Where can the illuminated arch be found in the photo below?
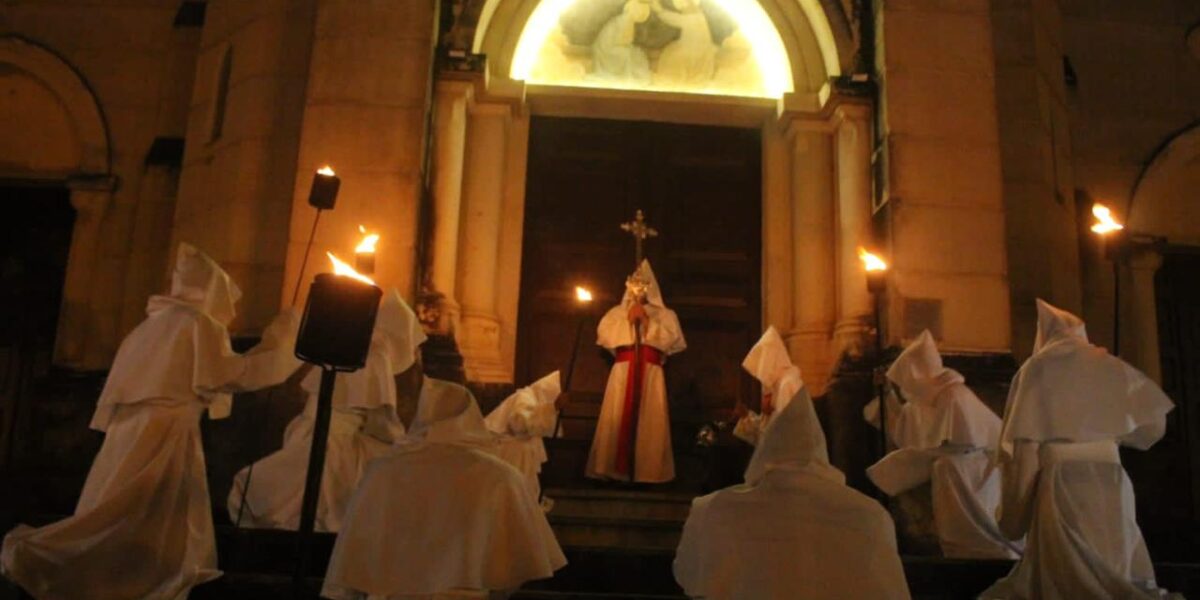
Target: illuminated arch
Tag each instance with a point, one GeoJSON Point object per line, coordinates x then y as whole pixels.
{"type": "Point", "coordinates": [751, 60]}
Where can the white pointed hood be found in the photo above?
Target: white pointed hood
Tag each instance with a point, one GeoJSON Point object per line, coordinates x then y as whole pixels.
{"type": "Point", "coordinates": [769, 362]}
{"type": "Point", "coordinates": [919, 371]}
{"type": "Point", "coordinates": [654, 295]}
{"type": "Point", "coordinates": [397, 331]}
{"type": "Point", "coordinates": [515, 412]}
{"type": "Point", "coordinates": [794, 439]}
{"type": "Point", "coordinates": [1073, 391]}
{"type": "Point", "coordinates": [199, 282]}
{"type": "Point", "coordinates": [448, 415]}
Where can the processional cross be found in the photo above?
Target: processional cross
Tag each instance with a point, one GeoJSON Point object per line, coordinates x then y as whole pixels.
{"type": "Point", "coordinates": [638, 284]}
{"type": "Point", "coordinates": [640, 232]}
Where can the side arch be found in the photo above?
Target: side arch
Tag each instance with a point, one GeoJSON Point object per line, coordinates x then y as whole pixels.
{"type": "Point", "coordinates": [53, 71]}
{"type": "Point", "coordinates": [1164, 200]}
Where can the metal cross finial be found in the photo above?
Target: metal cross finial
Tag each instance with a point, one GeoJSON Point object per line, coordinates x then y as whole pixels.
{"type": "Point", "coordinates": [640, 231]}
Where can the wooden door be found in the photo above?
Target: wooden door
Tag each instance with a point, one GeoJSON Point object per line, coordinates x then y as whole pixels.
{"type": "Point", "coordinates": [701, 188]}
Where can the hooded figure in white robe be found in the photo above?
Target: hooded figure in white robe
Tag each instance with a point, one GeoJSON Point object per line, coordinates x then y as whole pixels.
{"type": "Point", "coordinates": [441, 514]}
{"type": "Point", "coordinates": [793, 531]}
{"type": "Point", "coordinates": [613, 447]}
{"type": "Point", "coordinates": [363, 424]}
{"type": "Point", "coordinates": [143, 526]}
{"type": "Point", "coordinates": [944, 433]}
{"type": "Point", "coordinates": [768, 361]}
{"type": "Point", "coordinates": [1069, 407]}
{"type": "Point", "coordinates": [521, 421]}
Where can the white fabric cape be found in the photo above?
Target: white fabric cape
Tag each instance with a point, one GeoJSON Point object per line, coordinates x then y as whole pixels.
{"type": "Point", "coordinates": [441, 512]}
{"type": "Point", "coordinates": [521, 421]}
{"type": "Point", "coordinates": [794, 531]}
{"type": "Point", "coordinates": [769, 362]}
{"type": "Point", "coordinates": [363, 425]}
{"type": "Point", "coordinates": [1071, 390]}
{"type": "Point", "coordinates": [143, 525]}
{"type": "Point", "coordinates": [653, 453]}
{"type": "Point", "coordinates": [943, 432]}
{"type": "Point", "coordinates": [1069, 406]}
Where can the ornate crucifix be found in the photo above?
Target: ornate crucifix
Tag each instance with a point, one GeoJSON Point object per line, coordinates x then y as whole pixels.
{"type": "Point", "coordinates": [640, 231]}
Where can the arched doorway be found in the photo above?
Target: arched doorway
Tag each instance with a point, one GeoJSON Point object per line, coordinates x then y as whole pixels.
{"type": "Point", "coordinates": [54, 185]}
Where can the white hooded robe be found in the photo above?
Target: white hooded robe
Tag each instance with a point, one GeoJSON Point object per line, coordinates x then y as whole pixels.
{"type": "Point", "coordinates": [793, 531]}
{"type": "Point", "coordinates": [363, 425]}
{"type": "Point", "coordinates": [440, 513]}
{"type": "Point", "coordinates": [655, 462]}
{"type": "Point", "coordinates": [1069, 407]}
{"type": "Point", "coordinates": [521, 421]}
{"type": "Point", "coordinates": [943, 433]}
{"type": "Point", "coordinates": [768, 361]}
{"type": "Point", "coordinates": [143, 526]}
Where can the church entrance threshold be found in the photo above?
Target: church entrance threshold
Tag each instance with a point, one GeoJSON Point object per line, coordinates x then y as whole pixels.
{"type": "Point", "coordinates": [700, 186]}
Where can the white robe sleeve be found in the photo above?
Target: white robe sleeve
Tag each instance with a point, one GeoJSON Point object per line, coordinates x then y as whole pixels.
{"type": "Point", "coordinates": [748, 428]}
{"type": "Point", "coordinates": [219, 371]}
{"type": "Point", "coordinates": [688, 565]}
{"type": "Point", "coordinates": [1019, 475]}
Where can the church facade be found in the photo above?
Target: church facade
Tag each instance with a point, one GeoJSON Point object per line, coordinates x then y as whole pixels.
{"type": "Point", "coordinates": [965, 142]}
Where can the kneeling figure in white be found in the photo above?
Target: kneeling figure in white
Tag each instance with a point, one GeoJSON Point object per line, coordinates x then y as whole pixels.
{"type": "Point", "coordinates": [363, 425]}
{"type": "Point", "coordinates": [442, 514]}
{"type": "Point", "coordinates": [521, 421]}
{"type": "Point", "coordinates": [793, 531]}
{"type": "Point", "coordinates": [1069, 407]}
{"type": "Point", "coordinates": [944, 432]}
{"type": "Point", "coordinates": [769, 363]}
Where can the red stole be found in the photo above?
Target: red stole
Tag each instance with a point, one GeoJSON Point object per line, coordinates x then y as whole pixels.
{"type": "Point", "coordinates": [634, 383]}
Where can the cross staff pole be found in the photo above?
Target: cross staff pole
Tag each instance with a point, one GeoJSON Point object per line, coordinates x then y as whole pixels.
{"type": "Point", "coordinates": [640, 231]}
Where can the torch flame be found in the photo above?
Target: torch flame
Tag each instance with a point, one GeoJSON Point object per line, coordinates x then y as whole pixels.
{"type": "Point", "coordinates": [583, 294]}
{"type": "Point", "coordinates": [326, 171]}
{"type": "Point", "coordinates": [367, 245]}
{"type": "Point", "coordinates": [870, 261]}
{"type": "Point", "coordinates": [1105, 223]}
{"type": "Point", "coordinates": [345, 270]}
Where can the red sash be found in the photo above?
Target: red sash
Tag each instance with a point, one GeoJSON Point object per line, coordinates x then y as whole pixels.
{"type": "Point", "coordinates": [633, 398]}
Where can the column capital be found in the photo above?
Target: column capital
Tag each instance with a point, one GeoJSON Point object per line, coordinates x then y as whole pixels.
{"type": "Point", "coordinates": [851, 110]}
{"type": "Point", "coordinates": [455, 88]}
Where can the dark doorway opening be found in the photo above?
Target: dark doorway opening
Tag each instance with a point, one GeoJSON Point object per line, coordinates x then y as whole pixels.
{"type": "Point", "coordinates": [700, 186]}
{"type": "Point", "coordinates": [1166, 478]}
{"type": "Point", "coordinates": [35, 239]}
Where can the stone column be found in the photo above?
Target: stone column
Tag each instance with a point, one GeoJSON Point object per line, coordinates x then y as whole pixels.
{"type": "Point", "coordinates": [1139, 321]}
{"type": "Point", "coordinates": [450, 123]}
{"type": "Point", "coordinates": [853, 141]}
{"type": "Point", "coordinates": [82, 335]}
{"type": "Point", "coordinates": [814, 298]}
{"type": "Point", "coordinates": [483, 197]}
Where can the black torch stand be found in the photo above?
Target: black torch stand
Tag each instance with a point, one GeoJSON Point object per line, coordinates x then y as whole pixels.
{"type": "Point", "coordinates": [312, 481]}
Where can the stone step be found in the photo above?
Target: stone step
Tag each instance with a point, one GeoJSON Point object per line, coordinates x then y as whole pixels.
{"type": "Point", "coordinates": [616, 504]}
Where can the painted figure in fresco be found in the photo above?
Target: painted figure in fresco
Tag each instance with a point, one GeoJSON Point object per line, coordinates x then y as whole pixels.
{"type": "Point", "coordinates": [615, 56]}
{"type": "Point", "coordinates": [691, 59]}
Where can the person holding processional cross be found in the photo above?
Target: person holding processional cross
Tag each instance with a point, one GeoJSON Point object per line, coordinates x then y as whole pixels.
{"type": "Point", "coordinates": [633, 433]}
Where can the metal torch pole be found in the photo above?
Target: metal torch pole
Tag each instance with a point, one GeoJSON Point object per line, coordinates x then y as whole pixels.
{"type": "Point", "coordinates": [880, 389]}
{"type": "Point", "coordinates": [566, 388]}
{"type": "Point", "coordinates": [312, 482]}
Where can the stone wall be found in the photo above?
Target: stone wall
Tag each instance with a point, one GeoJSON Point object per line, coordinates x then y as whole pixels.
{"type": "Point", "coordinates": [945, 218]}
{"type": "Point", "coordinates": [243, 135]}
{"type": "Point", "coordinates": [135, 64]}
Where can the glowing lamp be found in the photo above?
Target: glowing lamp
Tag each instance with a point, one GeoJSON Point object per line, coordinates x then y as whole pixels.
{"type": "Point", "coordinates": [323, 194]}
{"type": "Point", "coordinates": [583, 295]}
{"type": "Point", "coordinates": [335, 332]}
{"type": "Point", "coordinates": [364, 253]}
{"type": "Point", "coordinates": [1105, 223]}
{"type": "Point", "coordinates": [876, 269]}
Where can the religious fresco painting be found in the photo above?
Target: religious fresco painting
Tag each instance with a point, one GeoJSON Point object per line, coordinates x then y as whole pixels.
{"type": "Point", "coordinates": [723, 47]}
